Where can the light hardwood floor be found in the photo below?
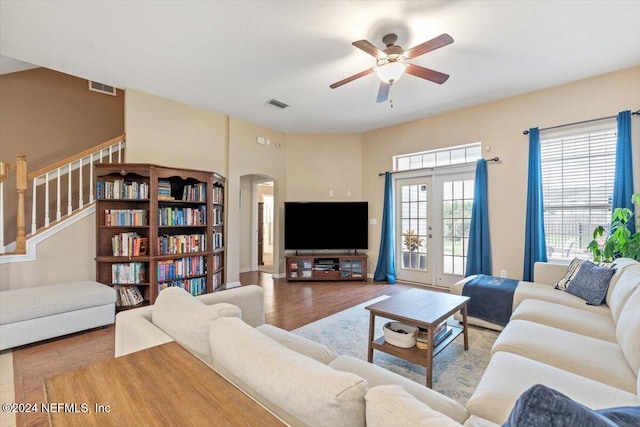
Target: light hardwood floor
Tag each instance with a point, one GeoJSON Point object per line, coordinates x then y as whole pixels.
{"type": "Point", "coordinates": [287, 305]}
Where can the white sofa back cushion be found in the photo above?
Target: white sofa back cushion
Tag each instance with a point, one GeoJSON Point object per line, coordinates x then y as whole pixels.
{"type": "Point", "coordinates": [628, 330]}
{"type": "Point", "coordinates": [297, 388]}
{"type": "Point", "coordinates": [621, 290]}
{"type": "Point", "coordinates": [391, 405]}
{"type": "Point", "coordinates": [187, 319]}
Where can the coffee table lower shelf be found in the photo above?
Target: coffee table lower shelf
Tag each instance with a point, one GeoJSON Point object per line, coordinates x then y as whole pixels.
{"type": "Point", "coordinates": [414, 354]}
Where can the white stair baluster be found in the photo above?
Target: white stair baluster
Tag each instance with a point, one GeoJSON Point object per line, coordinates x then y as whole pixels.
{"type": "Point", "coordinates": [46, 200]}
{"type": "Point", "coordinates": [91, 183]}
{"type": "Point", "coordinates": [80, 195]}
{"type": "Point", "coordinates": [58, 197]}
{"type": "Point", "coordinates": [70, 195]}
{"type": "Point", "coordinates": [34, 188]}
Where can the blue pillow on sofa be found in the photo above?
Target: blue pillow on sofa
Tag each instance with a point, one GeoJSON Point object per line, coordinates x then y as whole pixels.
{"type": "Point", "coordinates": [541, 406]}
{"type": "Point", "coordinates": [591, 283]}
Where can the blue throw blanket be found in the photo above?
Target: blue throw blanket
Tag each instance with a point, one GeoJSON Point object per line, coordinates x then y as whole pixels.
{"type": "Point", "coordinates": [491, 298]}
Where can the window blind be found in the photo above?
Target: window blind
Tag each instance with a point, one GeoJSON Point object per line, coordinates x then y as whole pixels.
{"type": "Point", "coordinates": [577, 180]}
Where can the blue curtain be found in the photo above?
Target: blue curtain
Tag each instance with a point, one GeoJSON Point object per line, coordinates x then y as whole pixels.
{"type": "Point", "coordinates": [534, 240]}
{"type": "Point", "coordinates": [479, 251]}
{"type": "Point", "coordinates": [386, 268]}
{"type": "Point", "coordinates": [623, 179]}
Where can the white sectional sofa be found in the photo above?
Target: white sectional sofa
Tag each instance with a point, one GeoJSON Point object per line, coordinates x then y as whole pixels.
{"type": "Point", "coordinates": [595, 363]}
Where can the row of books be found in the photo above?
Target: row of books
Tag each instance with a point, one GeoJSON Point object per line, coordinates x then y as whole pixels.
{"type": "Point", "coordinates": [182, 244]}
{"type": "Point", "coordinates": [179, 268]}
{"type": "Point", "coordinates": [218, 217]}
{"type": "Point", "coordinates": [218, 195]}
{"type": "Point", "coordinates": [217, 280]}
{"type": "Point", "coordinates": [170, 216]}
{"type": "Point", "coordinates": [439, 334]}
{"type": "Point", "coordinates": [196, 286]}
{"type": "Point", "coordinates": [129, 244]}
{"type": "Point", "coordinates": [122, 189]}
{"type": "Point", "coordinates": [128, 296]}
{"type": "Point", "coordinates": [217, 262]}
{"type": "Point", "coordinates": [129, 273]}
{"type": "Point", "coordinates": [164, 190]}
{"type": "Point", "coordinates": [126, 217]}
{"type": "Point", "coordinates": [195, 192]}
{"type": "Point", "coordinates": [217, 241]}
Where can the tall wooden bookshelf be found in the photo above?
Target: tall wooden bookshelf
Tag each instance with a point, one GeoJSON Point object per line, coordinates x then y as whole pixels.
{"type": "Point", "coordinates": [157, 227]}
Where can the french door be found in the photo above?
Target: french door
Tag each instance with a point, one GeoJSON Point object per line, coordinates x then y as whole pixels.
{"type": "Point", "coordinates": [433, 216]}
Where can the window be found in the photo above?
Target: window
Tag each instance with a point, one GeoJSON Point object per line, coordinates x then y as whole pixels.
{"type": "Point", "coordinates": [577, 181]}
{"type": "Point", "coordinates": [443, 157]}
{"type": "Point", "coordinates": [457, 205]}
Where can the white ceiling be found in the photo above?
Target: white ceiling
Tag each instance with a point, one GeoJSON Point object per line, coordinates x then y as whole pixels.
{"type": "Point", "coordinates": [231, 57]}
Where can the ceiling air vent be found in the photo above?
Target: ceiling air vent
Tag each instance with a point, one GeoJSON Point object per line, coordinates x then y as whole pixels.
{"type": "Point", "coordinates": [102, 88]}
{"type": "Point", "coordinates": [277, 104]}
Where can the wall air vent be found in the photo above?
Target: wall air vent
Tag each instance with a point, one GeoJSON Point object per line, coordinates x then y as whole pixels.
{"type": "Point", "coordinates": [277, 104]}
{"type": "Point", "coordinates": [102, 88]}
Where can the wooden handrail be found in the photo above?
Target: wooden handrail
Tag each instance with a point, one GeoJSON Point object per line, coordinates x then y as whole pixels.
{"type": "Point", "coordinates": [76, 157]}
{"type": "Point", "coordinates": [4, 170]}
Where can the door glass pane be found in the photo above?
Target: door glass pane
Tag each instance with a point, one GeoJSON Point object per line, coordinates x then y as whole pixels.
{"type": "Point", "coordinates": [414, 226]}
{"type": "Point", "coordinates": [457, 203]}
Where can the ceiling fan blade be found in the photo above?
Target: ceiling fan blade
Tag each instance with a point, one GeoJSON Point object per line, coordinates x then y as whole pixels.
{"type": "Point", "coordinates": [428, 46]}
{"type": "Point", "coordinates": [369, 48]}
{"type": "Point", "coordinates": [351, 78]}
{"type": "Point", "coordinates": [427, 74]}
{"type": "Point", "coordinates": [383, 92]}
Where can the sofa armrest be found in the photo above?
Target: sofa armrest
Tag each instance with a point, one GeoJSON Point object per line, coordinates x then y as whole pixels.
{"type": "Point", "coordinates": [250, 300]}
{"type": "Point", "coordinates": [135, 332]}
{"type": "Point", "coordinates": [548, 273]}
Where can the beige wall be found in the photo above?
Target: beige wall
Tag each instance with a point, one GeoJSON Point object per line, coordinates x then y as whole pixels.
{"type": "Point", "coordinates": [318, 164]}
{"type": "Point", "coordinates": [170, 133]}
{"type": "Point", "coordinates": [66, 256]}
{"type": "Point", "coordinates": [500, 125]}
{"type": "Point", "coordinates": [49, 116]}
{"type": "Point", "coordinates": [248, 162]}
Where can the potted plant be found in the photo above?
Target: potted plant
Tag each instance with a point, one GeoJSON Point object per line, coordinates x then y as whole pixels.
{"type": "Point", "coordinates": [412, 242]}
{"type": "Point", "coordinates": [620, 242]}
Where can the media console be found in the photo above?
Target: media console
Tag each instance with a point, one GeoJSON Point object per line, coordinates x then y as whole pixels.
{"type": "Point", "coordinates": [326, 267]}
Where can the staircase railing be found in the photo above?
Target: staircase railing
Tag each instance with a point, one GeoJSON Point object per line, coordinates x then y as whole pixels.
{"type": "Point", "coordinates": [47, 190]}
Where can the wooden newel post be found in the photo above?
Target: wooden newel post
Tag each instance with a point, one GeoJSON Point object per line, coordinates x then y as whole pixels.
{"type": "Point", "coordinates": [21, 189]}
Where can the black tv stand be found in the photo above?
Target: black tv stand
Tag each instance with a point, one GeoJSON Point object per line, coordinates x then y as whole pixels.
{"type": "Point", "coordinates": [326, 267]}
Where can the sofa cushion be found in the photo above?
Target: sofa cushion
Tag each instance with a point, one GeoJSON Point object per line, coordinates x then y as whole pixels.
{"type": "Point", "coordinates": [628, 331]}
{"type": "Point", "coordinates": [627, 282]}
{"type": "Point", "coordinates": [187, 319]}
{"type": "Point", "coordinates": [529, 290]}
{"type": "Point", "coordinates": [508, 376]}
{"type": "Point", "coordinates": [17, 305]}
{"type": "Point", "coordinates": [389, 405]}
{"type": "Point", "coordinates": [596, 325]}
{"type": "Point", "coordinates": [541, 406]}
{"type": "Point", "coordinates": [589, 357]}
{"type": "Point", "coordinates": [297, 388]}
{"type": "Point", "coordinates": [299, 344]}
{"type": "Point", "coordinates": [376, 376]}
{"type": "Point", "coordinates": [591, 283]}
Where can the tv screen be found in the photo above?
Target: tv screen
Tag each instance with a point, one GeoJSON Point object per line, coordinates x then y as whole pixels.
{"type": "Point", "coordinates": [326, 225]}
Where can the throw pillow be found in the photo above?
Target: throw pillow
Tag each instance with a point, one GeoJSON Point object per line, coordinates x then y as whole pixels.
{"type": "Point", "coordinates": [575, 265]}
{"type": "Point", "coordinates": [541, 406]}
{"type": "Point", "coordinates": [591, 283]}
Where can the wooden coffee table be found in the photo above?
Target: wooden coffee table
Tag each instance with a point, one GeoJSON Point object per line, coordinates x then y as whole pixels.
{"type": "Point", "coordinates": [424, 309]}
{"type": "Point", "coordinates": [161, 386]}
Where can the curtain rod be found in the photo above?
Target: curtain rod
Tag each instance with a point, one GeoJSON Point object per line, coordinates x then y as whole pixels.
{"type": "Point", "coordinates": [526, 132]}
{"type": "Point", "coordinates": [495, 159]}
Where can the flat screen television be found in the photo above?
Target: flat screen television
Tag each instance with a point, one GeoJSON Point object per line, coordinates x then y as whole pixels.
{"type": "Point", "coordinates": [326, 225]}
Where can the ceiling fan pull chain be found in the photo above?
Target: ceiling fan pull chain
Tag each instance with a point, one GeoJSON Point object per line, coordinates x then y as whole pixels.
{"type": "Point", "coordinates": [391, 96]}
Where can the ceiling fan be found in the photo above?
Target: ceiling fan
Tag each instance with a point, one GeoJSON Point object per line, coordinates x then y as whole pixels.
{"type": "Point", "coordinates": [391, 63]}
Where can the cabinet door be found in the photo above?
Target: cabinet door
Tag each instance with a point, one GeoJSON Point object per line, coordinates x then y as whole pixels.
{"type": "Point", "coordinates": [300, 268]}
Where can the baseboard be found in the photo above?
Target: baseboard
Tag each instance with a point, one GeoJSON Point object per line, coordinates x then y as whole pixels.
{"type": "Point", "coordinates": [233, 285]}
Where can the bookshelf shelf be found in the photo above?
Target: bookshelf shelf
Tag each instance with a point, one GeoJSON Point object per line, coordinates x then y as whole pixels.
{"type": "Point", "coordinates": [154, 223]}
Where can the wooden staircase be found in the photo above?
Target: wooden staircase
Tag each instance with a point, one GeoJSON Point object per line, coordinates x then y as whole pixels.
{"type": "Point", "coordinates": [43, 193]}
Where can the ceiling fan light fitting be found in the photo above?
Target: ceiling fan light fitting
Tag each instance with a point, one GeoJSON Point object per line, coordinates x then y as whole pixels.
{"type": "Point", "coordinates": [391, 71]}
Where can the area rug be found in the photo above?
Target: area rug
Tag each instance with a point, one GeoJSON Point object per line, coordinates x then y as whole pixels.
{"type": "Point", "coordinates": [456, 372]}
